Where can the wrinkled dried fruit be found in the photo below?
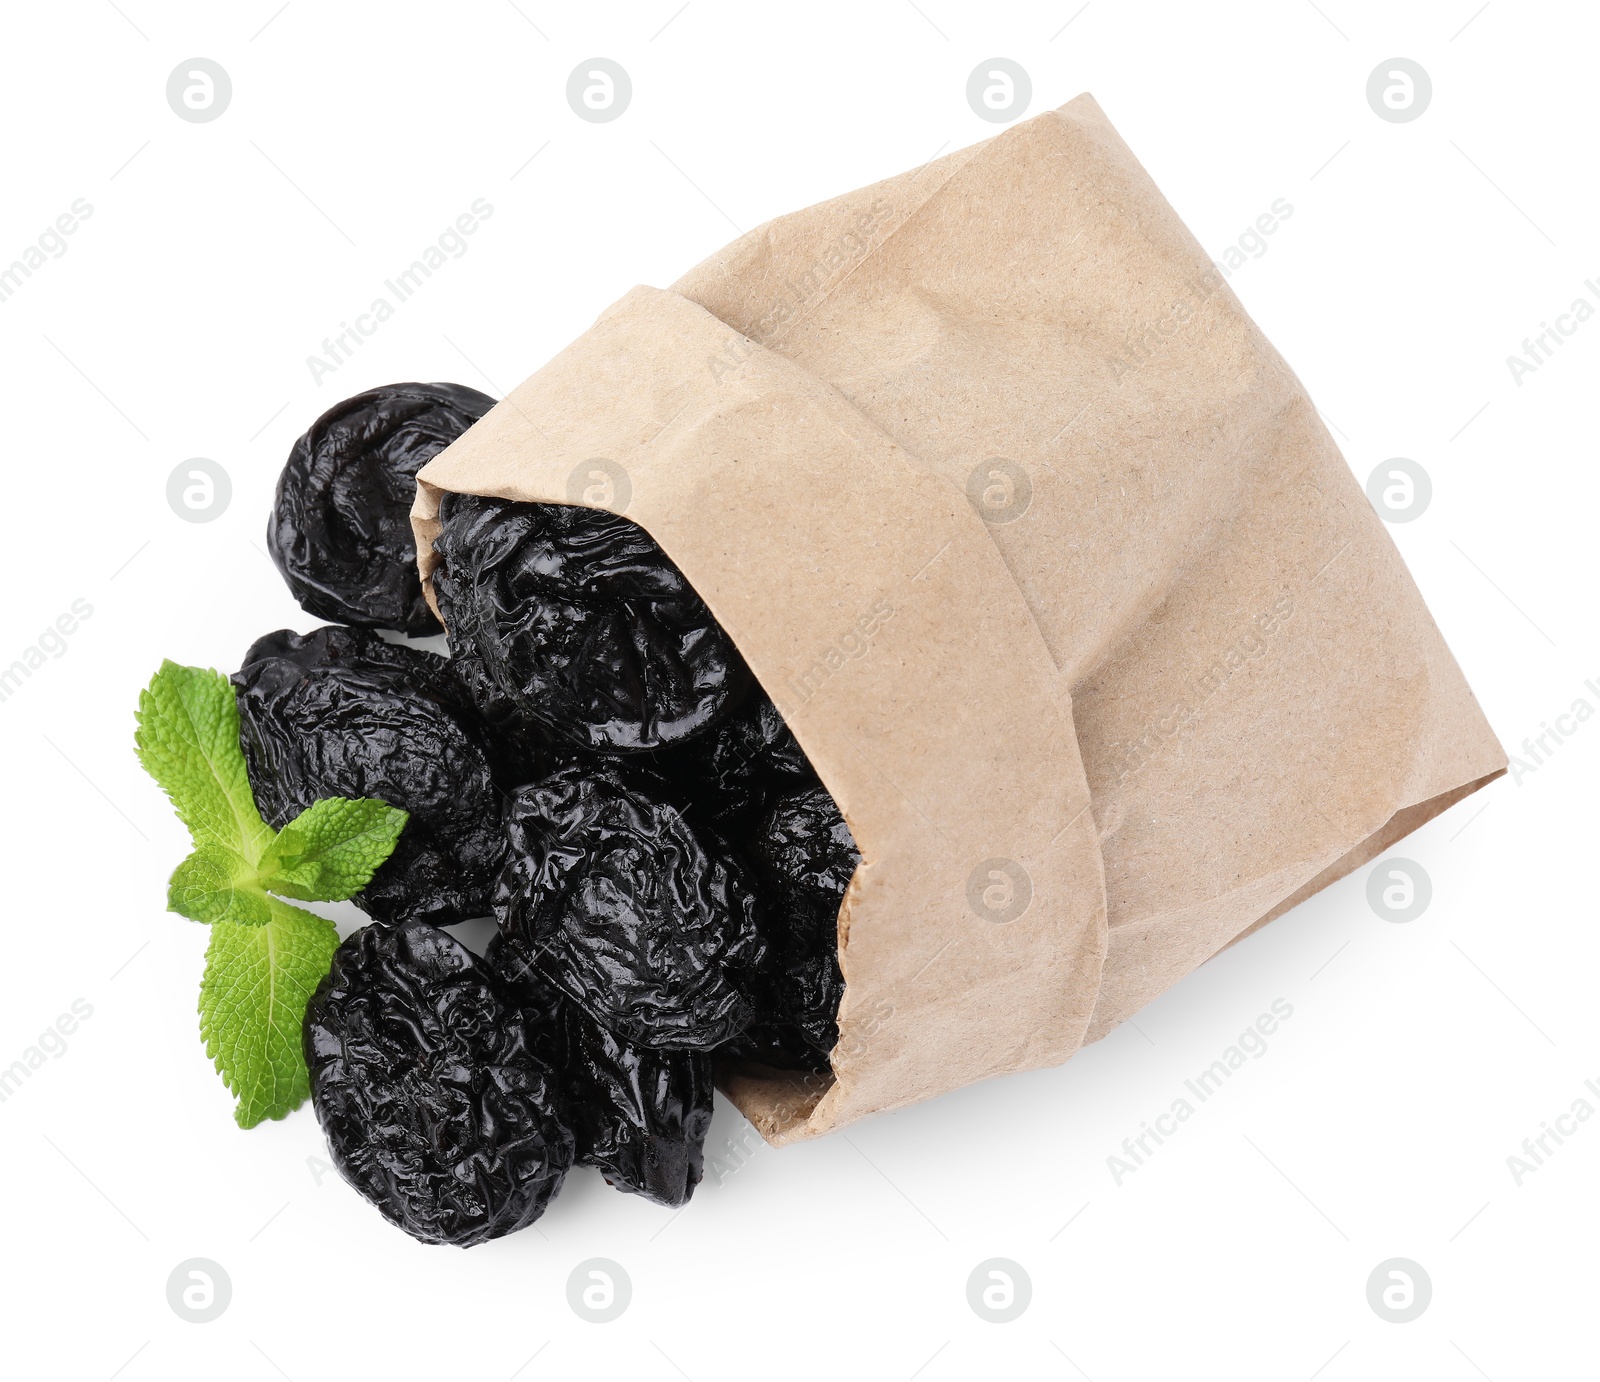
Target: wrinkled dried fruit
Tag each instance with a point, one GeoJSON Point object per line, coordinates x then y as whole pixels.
{"type": "Point", "coordinates": [611, 894]}
{"type": "Point", "coordinates": [341, 713]}
{"type": "Point", "coordinates": [803, 855]}
{"type": "Point", "coordinates": [340, 530]}
{"type": "Point", "coordinates": [433, 1105]}
{"type": "Point", "coordinates": [639, 1115]}
{"type": "Point", "coordinates": [584, 623]}
{"type": "Point", "coordinates": [519, 749]}
{"type": "Point", "coordinates": [728, 776]}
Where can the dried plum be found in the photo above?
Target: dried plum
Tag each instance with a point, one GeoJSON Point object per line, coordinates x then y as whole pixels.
{"type": "Point", "coordinates": [543, 1005]}
{"type": "Point", "coordinates": [638, 1115]}
{"type": "Point", "coordinates": [584, 623]}
{"type": "Point", "coordinates": [433, 1105]}
{"type": "Point", "coordinates": [613, 896]}
{"type": "Point", "coordinates": [340, 530]}
{"type": "Point", "coordinates": [340, 712]}
{"type": "Point", "coordinates": [729, 775]}
{"type": "Point", "coordinates": [520, 750]}
{"type": "Point", "coordinates": [804, 856]}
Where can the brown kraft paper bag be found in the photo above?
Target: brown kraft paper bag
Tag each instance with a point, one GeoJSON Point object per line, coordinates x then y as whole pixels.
{"type": "Point", "coordinates": [1047, 560]}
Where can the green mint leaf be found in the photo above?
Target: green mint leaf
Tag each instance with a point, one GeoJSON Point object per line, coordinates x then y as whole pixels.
{"type": "Point", "coordinates": [331, 849]}
{"type": "Point", "coordinates": [253, 999]}
{"type": "Point", "coordinates": [215, 884]}
{"type": "Point", "coordinates": [188, 740]}
{"type": "Point", "coordinates": [266, 958]}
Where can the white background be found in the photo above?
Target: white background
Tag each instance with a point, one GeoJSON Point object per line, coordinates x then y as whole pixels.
{"type": "Point", "coordinates": [1419, 1055]}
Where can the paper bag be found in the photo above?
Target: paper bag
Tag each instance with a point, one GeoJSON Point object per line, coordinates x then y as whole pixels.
{"type": "Point", "coordinates": [1048, 562]}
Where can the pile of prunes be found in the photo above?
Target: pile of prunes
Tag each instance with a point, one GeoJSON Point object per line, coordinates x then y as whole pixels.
{"type": "Point", "coordinates": [594, 766]}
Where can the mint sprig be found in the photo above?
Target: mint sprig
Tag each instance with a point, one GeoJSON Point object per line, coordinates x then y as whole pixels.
{"type": "Point", "coordinates": [266, 957]}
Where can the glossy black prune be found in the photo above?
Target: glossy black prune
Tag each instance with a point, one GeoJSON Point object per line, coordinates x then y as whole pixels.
{"type": "Point", "coordinates": [341, 713]}
{"type": "Point", "coordinates": [729, 775]}
{"type": "Point", "coordinates": [520, 750]}
{"type": "Point", "coordinates": [613, 896]}
{"type": "Point", "coordinates": [433, 1105]}
{"type": "Point", "coordinates": [584, 623]}
{"type": "Point", "coordinates": [640, 1116]}
{"type": "Point", "coordinates": [340, 530]}
{"type": "Point", "coordinates": [804, 856]}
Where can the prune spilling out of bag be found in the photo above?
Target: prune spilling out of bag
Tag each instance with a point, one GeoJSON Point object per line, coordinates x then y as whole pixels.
{"type": "Point", "coordinates": [639, 1115]}
{"type": "Point", "coordinates": [341, 713]}
{"type": "Point", "coordinates": [340, 530]}
{"type": "Point", "coordinates": [612, 895]}
{"type": "Point", "coordinates": [584, 623]}
{"type": "Point", "coordinates": [804, 856]}
{"type": "Point", "coordinates": [730, 774]}
{"type": "Point", "coordinates": [434, 1107]}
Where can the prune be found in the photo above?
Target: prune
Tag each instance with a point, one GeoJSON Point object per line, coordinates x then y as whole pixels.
{"type": "Point", "coordinates": [520, 751]}
{"type": "Point", "coordinates": [340, 530]}
{"type": "Point", "coordinates": [804, 856]}
{"type": "Point", "coordinates": [729, 775]}
{"type": "Point", "coordinates": [433, 1105]}
{"type": "Point", "coordinates": [584, 623]}
{"type": "Point", "coordinates": [613, 897]}
{"type": "Point", "coordinates": [542, 1004]}
{"type": "Point", "coordinates": [341, 713]}
{"type": "Point", "coordinates": [639, 1115]}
